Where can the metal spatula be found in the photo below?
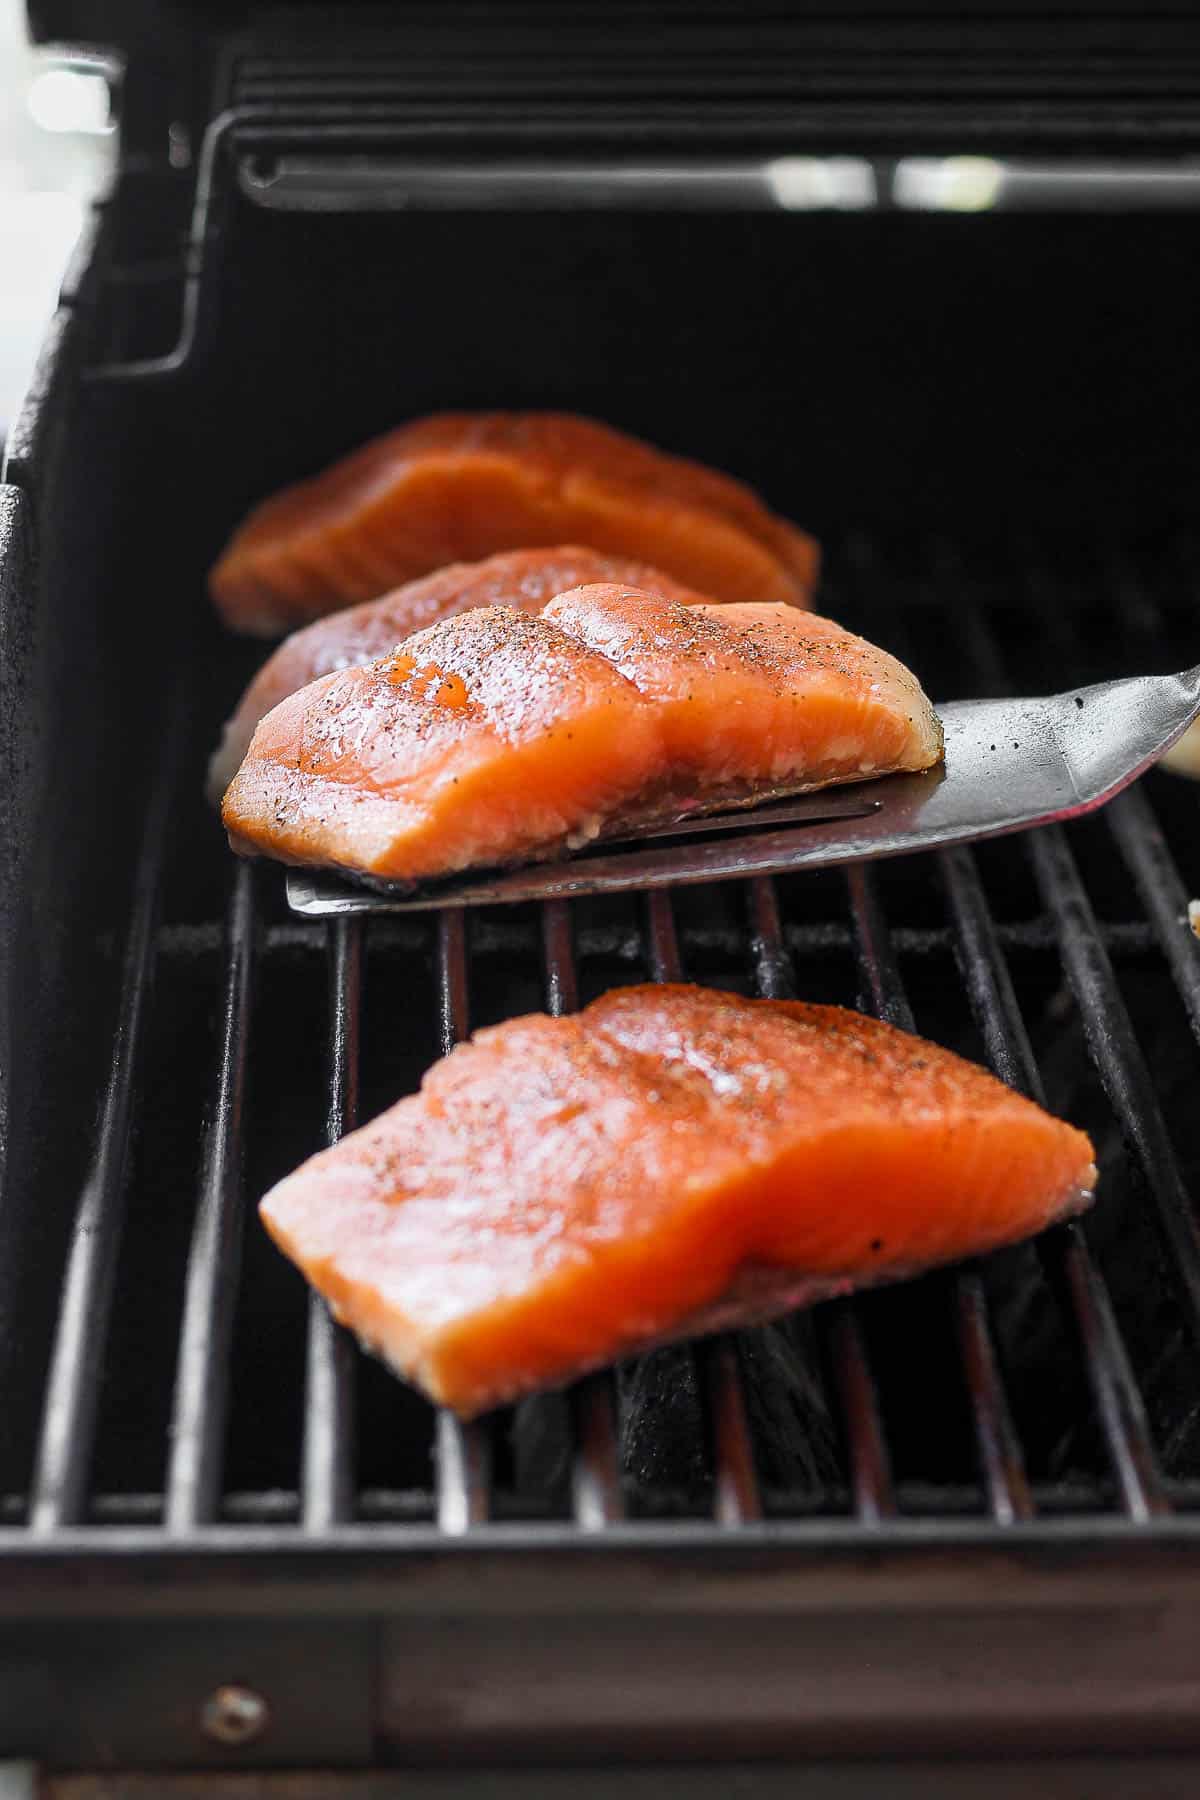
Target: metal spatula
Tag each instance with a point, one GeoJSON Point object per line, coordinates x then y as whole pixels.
{"type": "Point", "coordinates": [1009, 764]}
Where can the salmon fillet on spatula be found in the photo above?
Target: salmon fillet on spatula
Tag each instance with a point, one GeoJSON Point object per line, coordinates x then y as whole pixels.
{"type": "Point", "coordinates": [565, 1191]}
{"type": "Point", "coordinates": [495, 738]}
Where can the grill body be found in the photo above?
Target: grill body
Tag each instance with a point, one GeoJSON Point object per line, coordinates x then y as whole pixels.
{"type": "Point", "coordinates": [956, 1519]}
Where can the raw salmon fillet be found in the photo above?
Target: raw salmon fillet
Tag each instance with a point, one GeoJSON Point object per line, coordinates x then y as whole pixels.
{"type": "Point", "coordinates": [526, 579]}
{"type": "Point", "coordinates": [496, 737]}
{"type": "Point", "coordinates": [565, 1191]}
{"type": "Point", "coordinates": [458, 486]}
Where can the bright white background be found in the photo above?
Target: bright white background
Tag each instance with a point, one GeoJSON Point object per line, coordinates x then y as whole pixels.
{"type": "Point", "coordinates": [55, 150]}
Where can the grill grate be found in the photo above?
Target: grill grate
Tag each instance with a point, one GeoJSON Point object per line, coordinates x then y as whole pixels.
{"type": "Point", "coordinates": [1069, 1265]}
{"type": "Point", "coordinates": [202, 1384]}
{"type": "Point", "coordinates": [1064, 1250]}
{"type": "Point", "coordinates": [73, 1388]}
{"type": "Point", "coordinates": [798, 1422]}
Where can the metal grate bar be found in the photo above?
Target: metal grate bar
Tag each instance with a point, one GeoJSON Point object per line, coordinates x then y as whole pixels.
{"type": "Point", "coordinates": [202, 1377]}
{"type": "Point", "coordinates": [1161, 891]}
{"type": "Point", "coordinates": [666, 963]}
{"type": "Point", "coordinates": [735, 1492]}
{"type": "Point", "coordinates": [558, 952]}
{"type": "Point", "coordinates": [1064, 1250]}
{"type": "Point", "coordinates": [1118, 1400]}
{"type": "Point", "coordinates": [773, 970]}
{"type": "Point", "coordinates": [73, 1385]}
{"type": "Point", "coordinates": [453, 996]}
{"type": "Point", "coordinates": [996, 1439]}
{"type": "Point", "coordinates": [1115, 1052]}
{"type": "Point", "coordinates": [884, 995]}
{"type": "Point", "coordinates": [736, 1498]}
{"type": "Point", "coordinates": [870, 1465]}
{"type": "Point", "coordinates": [327, 1478]}
{"type": "Point", "coordinates": [1005, 1481]}
{"type": "Point", "coordinates": [463, 1451]}
{"type": "Point", "coordinates": [1131, 819]}
{"type": "Point", "coordinates": [404, 1506]}
{"type": "Point", "coordinates": [596, 1497]}
{"type": "Point", "coordinates": [998, 1444]}
{"type": "Point", "coordinates": [1112, 1043]}
{"type": "Point", "coordinates": [464, 1474]}
{"type": "Point", "coordinates": [495, 938]}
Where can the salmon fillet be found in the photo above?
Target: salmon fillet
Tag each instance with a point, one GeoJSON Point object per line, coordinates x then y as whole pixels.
{"type": "Point", "coordinates": [563, 1192]}
{"type": "Point", "coordinates": [456, 487]}
{"type": "Point", "coordinates": [495, 737]}
{"type": "Point", "coordinates": [525, 579]}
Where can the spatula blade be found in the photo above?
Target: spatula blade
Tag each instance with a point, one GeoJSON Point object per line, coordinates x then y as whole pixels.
{"type": "Point", "coordinates": [1009, 765]}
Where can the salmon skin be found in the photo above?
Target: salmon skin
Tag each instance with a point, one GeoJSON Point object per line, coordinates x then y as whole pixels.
{"type": "Point", "coordinates": [495, 737]}
{"type": "Point", "coordinates": [456, 487]}
{"type": "Point", "coordinates": [524, 579]}
{"type": "Point", "coordinates": [563, 1192]}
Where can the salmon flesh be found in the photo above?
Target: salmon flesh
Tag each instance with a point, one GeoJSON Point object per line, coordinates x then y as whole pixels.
{"type": "Point", "coordinates": [456, 487]}
{"type": "Point", "coordinates": [565, 1191]}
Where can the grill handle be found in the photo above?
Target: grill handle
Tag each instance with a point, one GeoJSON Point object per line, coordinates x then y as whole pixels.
{"type": "Point", "coordinates": [333, 182]}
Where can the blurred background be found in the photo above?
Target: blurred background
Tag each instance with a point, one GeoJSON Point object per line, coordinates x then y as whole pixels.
{"type": "Point", "coordinates": [56, 147]}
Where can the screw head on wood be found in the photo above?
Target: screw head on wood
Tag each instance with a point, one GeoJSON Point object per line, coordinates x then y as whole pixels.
{"type": "Point", "coordinates": [234, 1714]}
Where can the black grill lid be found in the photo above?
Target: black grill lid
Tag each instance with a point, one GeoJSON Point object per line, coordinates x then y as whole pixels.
{"type": "Point", "coordinates": [883, 77]}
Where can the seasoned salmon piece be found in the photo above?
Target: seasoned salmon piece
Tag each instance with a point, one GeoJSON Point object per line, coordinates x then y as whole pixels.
{"type": "Point", "coordinates": [482, 739]}
{"type": "Point", "coordinates": [563, 1192]}
{"type": "Point", "coordinates": [494, 737]}
{"type": "Point", "coordinates": [526, 579]}
{"type": "Point", "coordinates": [757, 695]}
{"type": "Point", "coordinates": [458, 486]}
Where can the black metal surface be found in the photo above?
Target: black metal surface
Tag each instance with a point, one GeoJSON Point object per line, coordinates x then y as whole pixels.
{"type": "Point", "coordinates": [1133, 1093]}
{"type": "Point", "coordinates": [1064, 1250]}
{"type": "Point", "coordinates": [60, 1476]}
{"type": "Point", "coordinates": [998, 1447]}
{"type": "Point", "coordinates": [327, 1479]}
{"type": "Point", "coordinates": [870, 1471]}
{"type": "Point", "coordinates": [462, 1452]}
{"type": "Point", "coordinates": [666, 108]}
{"type": "Point", "coordinates": [595, 1478]}
{"type": "Point", "coordinates": [203, 1374]}
{"type": "Point", "coordinates": [775, 76]}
